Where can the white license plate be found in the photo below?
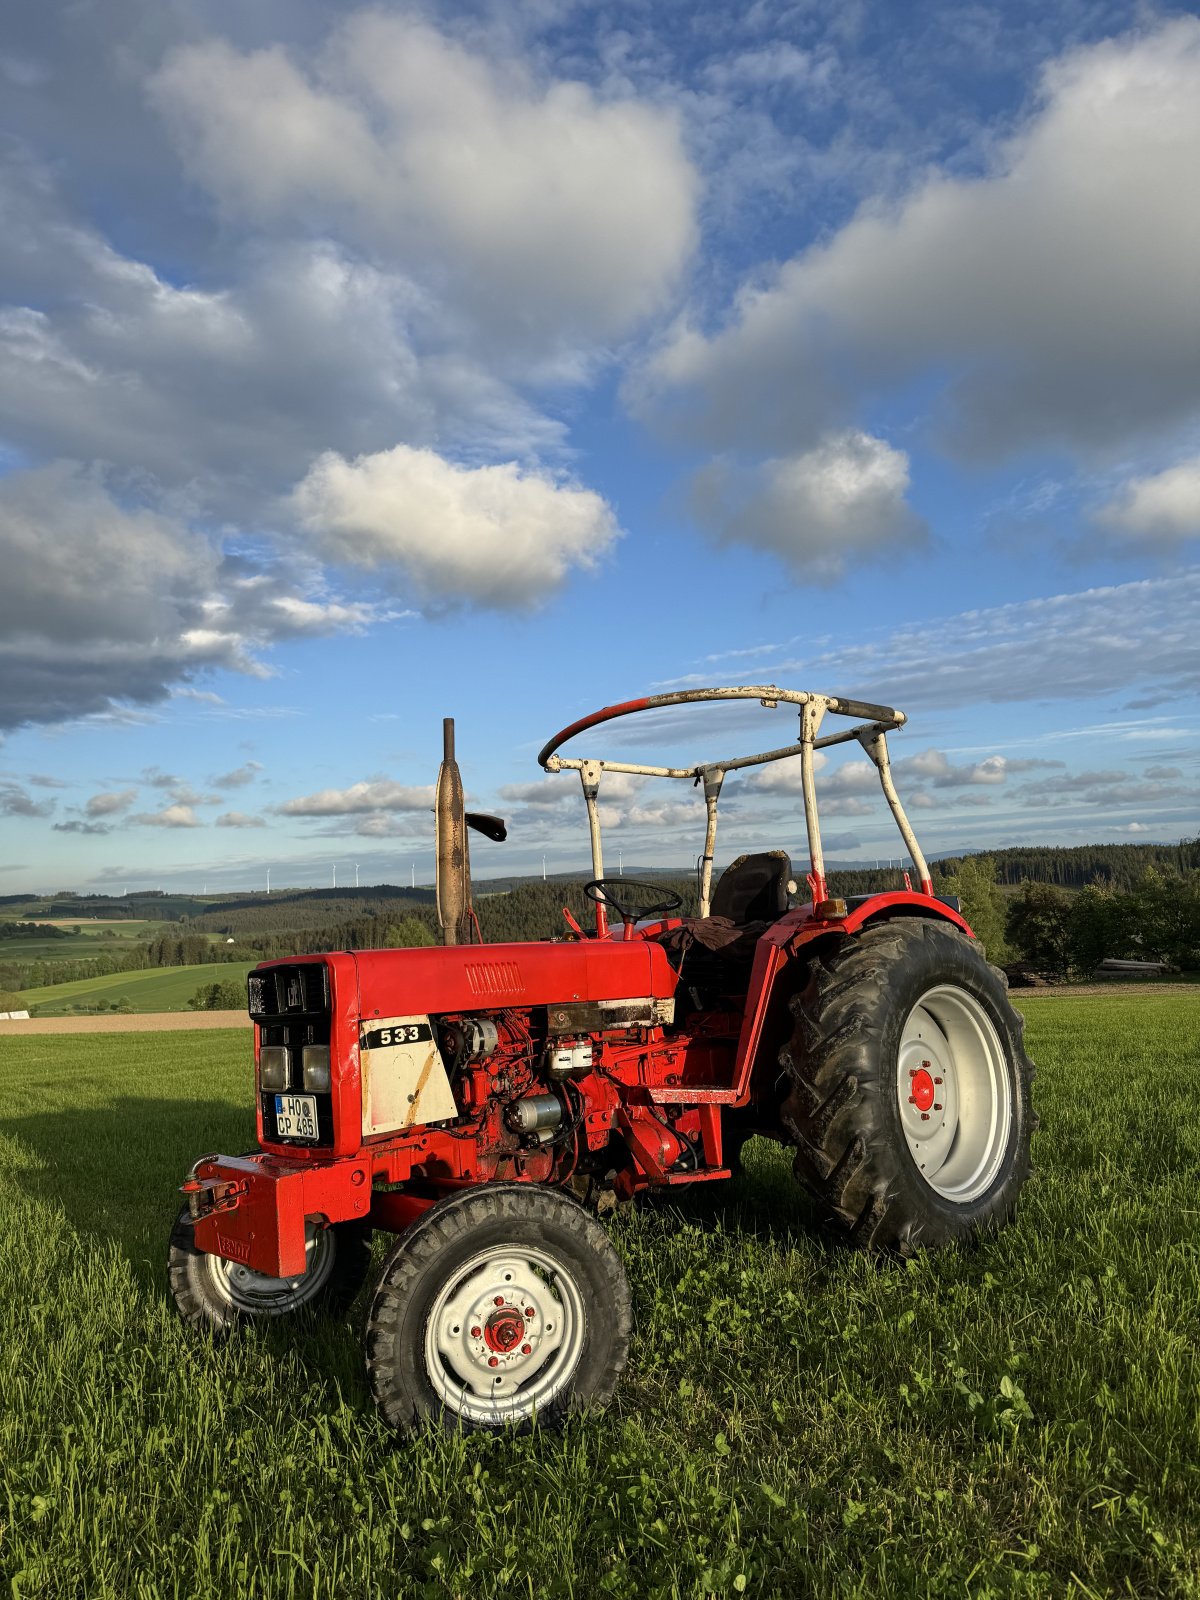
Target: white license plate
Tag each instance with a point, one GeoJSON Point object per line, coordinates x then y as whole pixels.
{"type": "Point", "coordinates": [296, 1116]}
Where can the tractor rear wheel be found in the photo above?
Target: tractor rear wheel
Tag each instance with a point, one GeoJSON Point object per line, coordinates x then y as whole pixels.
{"type": "Point", "coordinates": [216, 1294]}
{"type": "Point", "coordinates": [908, 1088]}
{"type": "Point", "coordinates": [501, 1304]}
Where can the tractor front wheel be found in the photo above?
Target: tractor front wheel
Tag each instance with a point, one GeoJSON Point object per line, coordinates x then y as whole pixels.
{"type": "Point", "coordinates": [216, 1294]}
{"type": "Point", "coordinates": [501, 1304]}
{"type": "Point", "coordinates": [908, 1095]}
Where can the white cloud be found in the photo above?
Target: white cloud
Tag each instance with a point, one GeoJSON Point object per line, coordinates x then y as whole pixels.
{"type": "Point", "coordinates": [103, 602]}
{"type": "Point", "coordinates": [111, 803]}
{"type": "Point", "coordinates": [380, 794]}
{"type": "Point", "coordinates": [842, 501]}
{"type": "Point", "coordinates": [239, 777]}
{"type": "Point", "coordinates": [177, 816]}
{"type": "Point", "coordinates": [17, 802]}
{"type": "Point", "coordinates": [1055, 294]}
{"type": "Point", "coordinates": [1141, 637]}
{"type": "Point", "coordinates": [1164, 506]}
{"type": "Point", "coordinates": [784, 777]}
{"type": "Point", "coordinates": [222, 396]}
{"type": "Point", "coordinates": [492, 535]}
{"type": "Point", "coordinates": [239, 819]}
{"type": "Point", "coordinates": [547, 212]}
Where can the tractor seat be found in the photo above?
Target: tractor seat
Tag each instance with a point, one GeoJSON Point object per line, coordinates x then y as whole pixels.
{"type": "Point", "coordinates": [754, 888]}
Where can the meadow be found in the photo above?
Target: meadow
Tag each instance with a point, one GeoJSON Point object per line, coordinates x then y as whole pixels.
{"type": "Point", "coordinates": [1017, 1419]}
{"type": "Point", "coordinates": [151, 989]}
{"type": "Point", "coordinates": [79, 940]}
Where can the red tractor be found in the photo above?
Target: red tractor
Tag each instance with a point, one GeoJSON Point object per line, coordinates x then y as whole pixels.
{"type": "Point", "coordinates": [471, 1099]}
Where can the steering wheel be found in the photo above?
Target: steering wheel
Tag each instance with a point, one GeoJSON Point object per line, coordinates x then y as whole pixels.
{"type": "Point", "coordinates": [613, 892]}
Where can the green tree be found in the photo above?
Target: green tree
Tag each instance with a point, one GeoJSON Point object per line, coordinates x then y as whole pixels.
{"type": "Point", "coordinates": [409, 934]}
{"type": "Point", "coordinates": [1098, 927]}
{"type": "Point", "coordinates": [982, 900]}
{"type": "Point", "coordinates": [228, 995]}
{"type": "Point", "coordinates": [1038, 927]}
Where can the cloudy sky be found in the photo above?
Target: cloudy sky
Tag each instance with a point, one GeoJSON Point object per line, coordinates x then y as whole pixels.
{"type": "Point", "coordinates": [361, 366]}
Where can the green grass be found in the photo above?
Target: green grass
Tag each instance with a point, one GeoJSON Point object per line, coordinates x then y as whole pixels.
{"type": "Point", "coordinates": [1019, 1419]}
{"type": "Point", "coordinates": [154, 989]}
{"type": "Point", "coordinates": [93, 939]}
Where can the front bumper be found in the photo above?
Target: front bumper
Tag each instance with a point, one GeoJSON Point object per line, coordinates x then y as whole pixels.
{"type": "Point", "coordinates": [252, 1209]}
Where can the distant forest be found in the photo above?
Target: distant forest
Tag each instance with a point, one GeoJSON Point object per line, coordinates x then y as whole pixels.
{"type": "Point", "coordinates": [1059, 909]}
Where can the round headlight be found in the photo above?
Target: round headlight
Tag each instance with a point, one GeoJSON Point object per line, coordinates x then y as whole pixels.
{"type": "Point", "coordinates": [316, 1068]}
{"type": "Point", "coordinates": [273, 1066]}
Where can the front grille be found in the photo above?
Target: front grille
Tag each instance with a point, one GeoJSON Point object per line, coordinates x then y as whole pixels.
{"type": "Point", "coordinates": [292, 1007]}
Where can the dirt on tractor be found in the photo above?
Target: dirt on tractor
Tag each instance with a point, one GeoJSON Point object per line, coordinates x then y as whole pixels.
{"type": "Point", "coordinates": [489, 1105]}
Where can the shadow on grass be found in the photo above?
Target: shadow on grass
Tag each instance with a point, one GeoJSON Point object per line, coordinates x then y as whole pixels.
{"type": "Point", "coordinates": [114, 1170]}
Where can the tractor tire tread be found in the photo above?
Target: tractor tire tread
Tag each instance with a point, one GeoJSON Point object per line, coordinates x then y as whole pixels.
{"type": "Point", "coordinates": [836, 1075]}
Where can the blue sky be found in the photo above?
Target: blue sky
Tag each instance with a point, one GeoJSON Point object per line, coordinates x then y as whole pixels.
{"type": "Point", "coordinates": [365, 365]}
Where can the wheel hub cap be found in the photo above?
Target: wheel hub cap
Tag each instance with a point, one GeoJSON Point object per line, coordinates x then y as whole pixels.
{"type": "Point", "coordinates": [504, 1330]}
{"type": "Point", "coordinates": [923, 1094]}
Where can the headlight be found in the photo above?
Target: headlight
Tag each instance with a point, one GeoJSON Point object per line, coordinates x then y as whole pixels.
{"type": "Point", "coordinates": [273, 1066]}
{"type": "Point", "coordinates": [316, 1068]}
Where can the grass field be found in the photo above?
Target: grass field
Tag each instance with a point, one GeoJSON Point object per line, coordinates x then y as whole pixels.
{"type": "Point", "coordinates": [93, 939]}
{"type": "Point", "coordinates": [1015, 1420]}
{"type": "Point", "coordinates": [154, 989]}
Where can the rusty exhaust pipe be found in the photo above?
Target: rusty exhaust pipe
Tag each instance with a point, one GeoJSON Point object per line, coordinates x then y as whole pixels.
{"type": "Point", "coordinates": [452, 856]}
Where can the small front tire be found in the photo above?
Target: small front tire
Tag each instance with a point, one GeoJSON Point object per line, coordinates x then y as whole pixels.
{"type": "Point", "coordinates": [501, 1304]}
{"type": "Point", "coordinates": [210, 1292]}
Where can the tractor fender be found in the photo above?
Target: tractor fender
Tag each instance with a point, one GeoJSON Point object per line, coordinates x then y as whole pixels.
{"type": "Point", "coordinates": [788, 940]}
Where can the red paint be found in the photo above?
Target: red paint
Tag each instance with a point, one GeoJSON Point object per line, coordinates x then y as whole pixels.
{"type": "Point", "coordinates": [922, 1090]}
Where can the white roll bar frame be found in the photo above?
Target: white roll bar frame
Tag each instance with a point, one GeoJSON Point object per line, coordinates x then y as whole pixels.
{"type": "Point", "coordinates": [871, 734]}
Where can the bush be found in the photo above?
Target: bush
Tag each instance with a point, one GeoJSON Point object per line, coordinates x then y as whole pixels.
{"type": "Point", "coordinates": [228, 995]}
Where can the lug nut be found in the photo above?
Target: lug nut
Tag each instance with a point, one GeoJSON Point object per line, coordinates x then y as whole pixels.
{"type": "Point", "coordinates": [493, 1361]}
{"type": "Point", "coordinates": [477, 1333]}
{"type": "Point", "coordinates": [499, 1300]}
{"type": "Point", "coordinates": [529, 1311]}
{"type": "Point", "coordinates": [526, 1349]}
{"type": "Point", "coordinates": [924, 1116]}
{"type": "Point", "coordinates": [937, 1080]}
{"type": "Point", "coordinates": [936, 1107]}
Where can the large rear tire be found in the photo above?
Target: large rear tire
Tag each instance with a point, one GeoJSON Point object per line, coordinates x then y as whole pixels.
{"type": "Point", "coordinates": [501, 1304]}
{"type": "Point", "coordinates": [210, 1292]}
{"type": "Point", "coordinates": [908, 1088]}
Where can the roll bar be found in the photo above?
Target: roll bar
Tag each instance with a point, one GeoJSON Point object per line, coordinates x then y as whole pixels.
{"type": "Point", "coordinates": [871, 733]}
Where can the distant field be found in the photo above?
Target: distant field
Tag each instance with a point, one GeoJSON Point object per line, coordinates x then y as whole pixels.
{"type": "Point", "coordinates": [93, 939]}
{"type": "Point", "coordinates": [156, 989]}
{"type": "Point", "coordinates": [1014, 1420]}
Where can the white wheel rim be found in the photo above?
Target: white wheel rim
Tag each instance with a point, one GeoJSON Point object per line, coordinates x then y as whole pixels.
{"type": "Point", "coordinates": [955, 1093]}
{"type": "Point", "coordinates": [261, 1296]}
{"type": "Point", "coordinates": [504, 1335]}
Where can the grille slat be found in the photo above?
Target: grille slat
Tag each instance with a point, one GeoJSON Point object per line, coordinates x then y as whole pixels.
{"type": "Point", "coordinates": [292, 1007]}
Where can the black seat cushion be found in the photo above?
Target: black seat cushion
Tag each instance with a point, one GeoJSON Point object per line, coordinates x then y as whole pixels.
{"type": "Point", "coordinates": [754, 888]}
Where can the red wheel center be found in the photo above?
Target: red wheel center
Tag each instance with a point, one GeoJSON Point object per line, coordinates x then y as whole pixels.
{"type": "Point", "coordinates": [504, 1330]}
{"type": "Point", "coordinates": [922, 1090]}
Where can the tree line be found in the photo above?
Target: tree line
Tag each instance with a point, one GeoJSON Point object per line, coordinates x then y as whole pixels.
{"type": "Point", "coordinates": [1066, 935]}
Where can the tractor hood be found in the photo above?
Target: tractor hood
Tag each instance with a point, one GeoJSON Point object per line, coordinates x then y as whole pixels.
{"type": "Point", "coordinates": [488, 977]}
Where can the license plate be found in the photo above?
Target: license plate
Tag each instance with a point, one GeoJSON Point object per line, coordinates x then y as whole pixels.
{"type": "Point", "coordinates": [296, 1116]}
